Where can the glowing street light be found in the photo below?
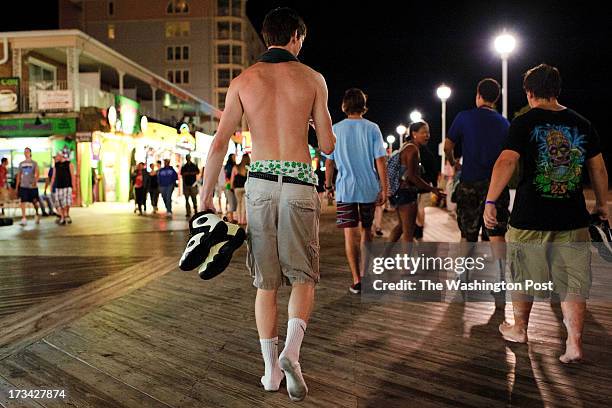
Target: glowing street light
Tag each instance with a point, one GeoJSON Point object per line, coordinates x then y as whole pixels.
{"type": "Point", "coordinates": [443, 92]}
{"type": "Point", "coordinates": [504, 45]}
{"type": "Point", "coordinates": [391, 139]}
{"type": "Point", "coordinates": [401, 130]}
{"type": "Point", "coordinates": [415, 116]}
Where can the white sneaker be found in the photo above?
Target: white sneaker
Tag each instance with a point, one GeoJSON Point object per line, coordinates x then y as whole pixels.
{"type": "Point", "coordinates": [23, 222]}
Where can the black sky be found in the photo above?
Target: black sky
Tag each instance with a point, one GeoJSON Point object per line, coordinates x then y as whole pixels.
{"type": "Point", "coordinates": [399, 51]}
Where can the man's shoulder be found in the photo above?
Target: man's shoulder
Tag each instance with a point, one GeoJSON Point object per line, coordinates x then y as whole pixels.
{"type": "Point", "coordinates": [578, 117]}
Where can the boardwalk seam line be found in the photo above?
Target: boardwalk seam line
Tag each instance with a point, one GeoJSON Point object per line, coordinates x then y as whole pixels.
{"type": "Point", "coordinates": [119, 282]}
{"type": "Point", "coordinates": [80, 360]}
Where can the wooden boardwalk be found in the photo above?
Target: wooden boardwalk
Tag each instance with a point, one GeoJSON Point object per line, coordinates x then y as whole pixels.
{"type": "Point", "coordinates": [177, 341]}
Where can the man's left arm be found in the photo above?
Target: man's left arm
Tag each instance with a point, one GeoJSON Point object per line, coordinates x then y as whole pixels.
{"type": "Point", "coordinates": [230, 120]}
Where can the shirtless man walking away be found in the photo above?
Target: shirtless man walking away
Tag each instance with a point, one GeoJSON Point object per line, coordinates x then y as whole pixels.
{"type": "Point", "coordinates": [279, 95]}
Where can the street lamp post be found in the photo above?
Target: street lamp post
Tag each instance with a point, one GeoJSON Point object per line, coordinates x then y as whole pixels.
{"type": "Point", "coordinates": [401, 131]}
{"type": "Point", "coordinates": [415, 116]}
{"type": "Point", "coordinates": [504, 44]}
{"type": "Point", "coordinates": [443, 92]}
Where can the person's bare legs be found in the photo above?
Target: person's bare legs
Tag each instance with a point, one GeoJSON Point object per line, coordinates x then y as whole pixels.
{"type": "Point", "coordinates": [265, 313]}
{"type": "Point", "coordinates": [517, 332]}
{"type": "Point", "coordinates": [396, 232]}
{"type": "Point", "coordinates": [352, 244]}
{"type": "Point", "coordinates": [301, 301]}
{"type": "Point", "coordinates": [574, 311]}
{"type": "Point", "coordinates": [420, 218]}
{"type": "Point", "coordinates": [366, 237]}
{"type": "Point", "coordinates": [378, 216]}
{"type": "Point", "coordinates": [23, 212]}
{"type": "Point", "coordinates": [407, 214]}
{"type": "Point", "coordinates": [498, 251]}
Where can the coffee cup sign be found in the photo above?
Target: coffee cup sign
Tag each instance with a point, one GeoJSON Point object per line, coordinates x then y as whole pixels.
{"type": "Point", "coordinates": [9, 95]}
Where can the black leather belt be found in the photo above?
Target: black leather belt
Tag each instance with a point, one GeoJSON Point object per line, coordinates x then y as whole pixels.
{"type": "Point", "coordinates": [274, 177]}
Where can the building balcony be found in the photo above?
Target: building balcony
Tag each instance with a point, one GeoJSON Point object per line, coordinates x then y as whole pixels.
{"type": "Point", "coordinates": [55, 96]}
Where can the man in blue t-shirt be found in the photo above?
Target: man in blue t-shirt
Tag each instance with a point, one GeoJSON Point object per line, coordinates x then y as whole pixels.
{"type": "Point", "coordinates": [480, 133]}
{"type": "Point", "coordinates": [361, 184]}
{"type": "Point", "coordinates": [167, 178]}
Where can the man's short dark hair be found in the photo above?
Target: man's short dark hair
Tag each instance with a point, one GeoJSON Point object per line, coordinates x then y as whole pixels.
{"type": "Point", "coordinates": [279, 26]}
{"type": "Point", "coordinates": [543, 81]}
{"type": "Point", "coordinates": [489, 90]}
{"type": "Point", "coordinates": [4, 160]}
{"type": "Point", "coordinates": [354, 102]}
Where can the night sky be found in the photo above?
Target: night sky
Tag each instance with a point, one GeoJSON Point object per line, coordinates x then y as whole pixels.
{"type": "Point", "coordinates": [399, 54]}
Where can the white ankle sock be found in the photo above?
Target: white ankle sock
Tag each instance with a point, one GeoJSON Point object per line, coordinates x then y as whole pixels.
{"type": "Point", "coordinates": [296, 328]}
{"type": "Point", "coordinates": [273, 374]}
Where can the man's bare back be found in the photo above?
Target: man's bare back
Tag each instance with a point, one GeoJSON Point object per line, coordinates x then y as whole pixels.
{"type": "Point", "coordinates": [278, 99]}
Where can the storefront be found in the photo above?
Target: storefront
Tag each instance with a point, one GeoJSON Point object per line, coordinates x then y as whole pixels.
{"type": "Point", "coordinates": [44, 136]}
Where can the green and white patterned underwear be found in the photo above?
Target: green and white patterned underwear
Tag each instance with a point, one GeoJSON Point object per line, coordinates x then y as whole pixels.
{"type": "Point", "coordinates": [298, 170]}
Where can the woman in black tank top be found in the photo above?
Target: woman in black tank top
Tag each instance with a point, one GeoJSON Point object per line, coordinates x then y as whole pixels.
{"type": "Point", "coordinates": [405, 200]}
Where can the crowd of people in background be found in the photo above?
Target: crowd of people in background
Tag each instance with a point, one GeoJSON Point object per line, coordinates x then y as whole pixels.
{"type": "Point", "coordinates": [147, 186]}
{"type": "Point", "coordinates": [163, 180]}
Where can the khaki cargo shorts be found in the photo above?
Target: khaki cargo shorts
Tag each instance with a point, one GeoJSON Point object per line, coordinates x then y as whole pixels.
{"type": "Point", "coordinates": [563, 257]}
{"type": "Point", "coordinates": [282, 233]}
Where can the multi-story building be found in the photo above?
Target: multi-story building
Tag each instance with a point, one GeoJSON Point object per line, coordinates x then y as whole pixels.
{"type": "Point", "coordinates": [200, 45]}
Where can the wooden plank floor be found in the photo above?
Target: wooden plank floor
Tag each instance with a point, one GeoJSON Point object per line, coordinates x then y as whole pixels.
{"type": "Point", "coordinates": [29, 280]}
{"type": "Point", "coordinates": [183, 342]}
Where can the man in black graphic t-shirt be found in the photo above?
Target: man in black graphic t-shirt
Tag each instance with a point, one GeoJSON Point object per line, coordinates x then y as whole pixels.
{"type": "Point", "coordinates": [549, 219]}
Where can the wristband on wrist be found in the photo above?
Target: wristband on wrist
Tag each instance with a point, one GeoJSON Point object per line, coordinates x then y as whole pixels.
{"type": "Point", "coordinates": [329, 188]}
{"type": "Point", "coordinates": [490, 202]}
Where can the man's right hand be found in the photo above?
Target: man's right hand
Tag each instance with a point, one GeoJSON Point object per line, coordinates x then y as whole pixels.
{"type": "Point", "coordinates": [330, 194]}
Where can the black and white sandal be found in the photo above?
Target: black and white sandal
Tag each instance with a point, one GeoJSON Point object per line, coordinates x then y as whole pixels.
{"type": "Point", "coordinates": [601, 236]}
{"type": "Point", "coordinates": [207, 230]}
{"type": "Point", "coordinates": [221, 254]}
